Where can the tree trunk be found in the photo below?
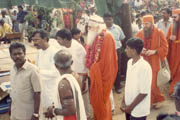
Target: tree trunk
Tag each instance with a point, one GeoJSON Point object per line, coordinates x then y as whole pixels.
{"type": "Point", "coordinates": [125, 17]}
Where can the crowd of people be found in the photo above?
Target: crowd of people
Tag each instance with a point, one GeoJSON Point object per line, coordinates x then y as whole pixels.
{"type": "Point", "coordinates": [74, 77]}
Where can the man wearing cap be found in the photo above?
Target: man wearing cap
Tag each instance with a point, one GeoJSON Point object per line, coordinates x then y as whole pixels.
{"type": "Point", "coordinates": [173, 38]}
{"type": "Point", "coordinates": [101, 60]}
{"type": "Point", "coordinates": [155, 49]}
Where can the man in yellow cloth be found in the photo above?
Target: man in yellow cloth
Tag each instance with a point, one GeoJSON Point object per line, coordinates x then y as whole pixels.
{"type": "Point", "coordinates": [155, 50]}
{"type": "Point", "coordinates": [173, 38]}
{"type": "Point", "coordinates": [101, 60]}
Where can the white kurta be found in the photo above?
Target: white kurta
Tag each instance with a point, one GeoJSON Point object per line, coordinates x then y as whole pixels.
{"type": "Point", "coordinates": [49, 75]}
{"type": "Point", "coordinates": [78, 53]}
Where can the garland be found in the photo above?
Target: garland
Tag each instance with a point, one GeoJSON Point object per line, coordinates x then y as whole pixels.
{"type": "Point", "coordinates": [93, 52]}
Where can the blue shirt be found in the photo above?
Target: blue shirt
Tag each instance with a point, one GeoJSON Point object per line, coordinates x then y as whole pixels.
{"type": "Point", "coordinates": [118, 35]}
{"type": "Point", "coordinates": [20, 16]}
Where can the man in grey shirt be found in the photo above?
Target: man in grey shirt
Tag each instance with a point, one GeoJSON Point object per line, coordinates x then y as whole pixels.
{"type": "Point", "coordinates": [25, 86]}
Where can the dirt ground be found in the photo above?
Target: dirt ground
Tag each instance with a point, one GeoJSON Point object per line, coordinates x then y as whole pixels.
{"type": "Point", "coordinates": [168, 106]}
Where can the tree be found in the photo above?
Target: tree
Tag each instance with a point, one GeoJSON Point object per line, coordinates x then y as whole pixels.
{"type": "Point", "coordinates": [122, 17]}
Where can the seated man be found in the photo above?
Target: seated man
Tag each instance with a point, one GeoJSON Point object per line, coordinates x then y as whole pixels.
{"type": "Point", "coordinates": [5, 28]}
{"type": "Point", "coordinates": [69, 92]}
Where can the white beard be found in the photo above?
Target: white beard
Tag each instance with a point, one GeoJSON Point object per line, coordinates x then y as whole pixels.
{"type": "Point", "coordinates": [92, 34]}
{"type": "Point", "coordinates": [91, 37]}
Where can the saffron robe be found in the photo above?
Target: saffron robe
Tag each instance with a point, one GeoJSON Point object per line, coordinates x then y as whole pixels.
{"type": "Point", "coordinates": [157, 42]}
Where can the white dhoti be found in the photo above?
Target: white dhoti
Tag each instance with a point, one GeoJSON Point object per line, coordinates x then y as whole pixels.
{"type": "Point", "coordinates": [112, 101]}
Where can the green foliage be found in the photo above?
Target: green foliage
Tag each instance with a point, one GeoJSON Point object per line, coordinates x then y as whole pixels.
{"type": "Point", "coordinates": [32, 19]}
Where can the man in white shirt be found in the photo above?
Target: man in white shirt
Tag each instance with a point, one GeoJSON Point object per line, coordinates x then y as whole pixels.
{"type": "Point", "coordinates": [48, 71]}
{"type": "Point", "coordinates": [165, 23]}
{"type": "Point", "coordinates": [136, 101]}
{"type": "Point", "coordinates": [64, 38]}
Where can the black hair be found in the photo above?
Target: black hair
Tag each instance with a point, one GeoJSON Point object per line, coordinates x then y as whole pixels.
{"type": "Point", "coordinates": [40, 17]}
{"type": "Point", "coordinates": [20, 7]}
{"type": "Point", "coordinates": [167, 10]}
{"type": "Point", "coordinates": [17, 45]}
{"type": "Point", "coordinates": [1, 21]}
{"type": "Point", "coordinates": [135, 43]}
{"type": "Point", "coordinates": [43, 34]}
{"type": "Point", "coordinates": [167, 117]}
{"type": "Point", "coordinates": [64, 34]}
{"type": "Point", "coordinates": [108, 14]}
{"type": "Point", "coordinates": [75, 31]}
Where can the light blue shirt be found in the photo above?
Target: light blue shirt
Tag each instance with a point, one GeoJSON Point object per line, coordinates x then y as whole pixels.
{"type": "Point", "coordinates": [118, 35]}
{"type": "Point", "coordinates": [165, 29]}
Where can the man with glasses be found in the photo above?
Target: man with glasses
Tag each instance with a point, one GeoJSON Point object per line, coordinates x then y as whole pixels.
{"type": "Point", "coordinates": [173, 38]}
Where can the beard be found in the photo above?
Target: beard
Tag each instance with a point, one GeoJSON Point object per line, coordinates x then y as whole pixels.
{"type": "Point", "coordinates": [91, 37]}
{"type": "Point", "coordinates": [147, 32]}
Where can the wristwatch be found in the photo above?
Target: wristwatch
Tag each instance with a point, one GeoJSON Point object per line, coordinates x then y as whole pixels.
{"type": "Point", "coordinates": [36, 115]}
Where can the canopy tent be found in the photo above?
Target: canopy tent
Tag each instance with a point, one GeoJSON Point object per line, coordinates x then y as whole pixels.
{"type": "Point", "coordinates": [43, 3]}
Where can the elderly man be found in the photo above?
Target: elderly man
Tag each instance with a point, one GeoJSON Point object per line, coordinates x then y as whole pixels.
{"type": "Point", "coordinates": [173, 38]}
{"type": "Point", "coordinates": [48, 71]}
{"type": "Point", "coordinates": [165, 23]}
{"type": "Point", "coordinates": [155, 50]}
{"type": "Point", "coordinates": [25, 84]}
{"type": "Point", "coordinates": [69, 91]}
{"type": "Point", "coordinates": [101, 60]}
{"type": "Point", "coordinates": [64, 38]}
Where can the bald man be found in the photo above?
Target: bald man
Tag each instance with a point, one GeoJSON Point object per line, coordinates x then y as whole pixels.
{"type": "Point", "coordinates": [69, 91]}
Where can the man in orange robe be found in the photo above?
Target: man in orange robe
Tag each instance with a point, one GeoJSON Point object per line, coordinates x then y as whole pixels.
{"type": "Point", "coordinates": [155, 50]}
{"type": "Point", "coordinates": [101, 60]}
{"type": "Point", "coordinates": [173, 38]}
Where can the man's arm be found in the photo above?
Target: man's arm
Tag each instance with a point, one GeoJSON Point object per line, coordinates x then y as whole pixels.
{"type": "Point", "coordinates": [36, 84]}
{"type": "Point", "coordinates": [36, 102]}
{"type": "Point", "coordinates": [136, 101]}
{"type": "Point", "coordinates": [66, 100]}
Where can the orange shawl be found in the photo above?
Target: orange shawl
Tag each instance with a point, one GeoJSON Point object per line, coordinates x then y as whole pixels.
{"type": "Point", "coordinates": [162, 50]}
{"type": "Point", "coordinates": [173, 54]}
{"type": "Point", "coordinates": [102, 74]}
